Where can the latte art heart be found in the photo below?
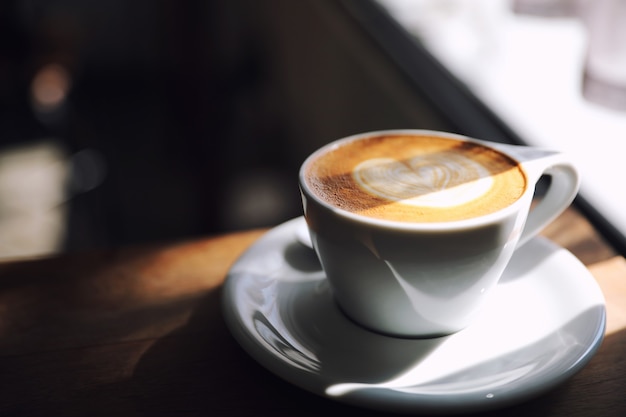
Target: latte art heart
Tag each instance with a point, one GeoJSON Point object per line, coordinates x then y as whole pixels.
{"type": "Point", "coordinates": [439, 180]}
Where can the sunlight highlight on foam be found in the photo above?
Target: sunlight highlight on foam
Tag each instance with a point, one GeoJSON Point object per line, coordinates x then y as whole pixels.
{"type": "Point", "coordinates": [446, 181]}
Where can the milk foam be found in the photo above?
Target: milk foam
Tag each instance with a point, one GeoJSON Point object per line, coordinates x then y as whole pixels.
{"type": "Point", "coordinates": [440, 180]}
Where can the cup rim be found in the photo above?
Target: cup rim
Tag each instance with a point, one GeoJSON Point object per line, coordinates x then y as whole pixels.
{"type": "Point", "coordinates": [473, 222]}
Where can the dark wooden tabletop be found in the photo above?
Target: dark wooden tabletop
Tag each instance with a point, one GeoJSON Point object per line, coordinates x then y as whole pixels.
{"type": "Point", "coordinates": [138, 331]}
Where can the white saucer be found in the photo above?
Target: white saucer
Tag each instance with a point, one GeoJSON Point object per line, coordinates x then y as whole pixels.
{"type": "Point", "coordinates": [544, 323]}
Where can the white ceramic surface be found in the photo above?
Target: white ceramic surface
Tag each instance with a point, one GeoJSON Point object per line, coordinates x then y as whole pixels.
{"type": "Point", "coordinates": [419, 279]}
{"type": "Point", "coordinates": [543, 323]}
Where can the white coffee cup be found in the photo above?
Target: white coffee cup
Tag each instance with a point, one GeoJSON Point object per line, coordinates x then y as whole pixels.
{"type": "Point", "coordinates": [412, 277]}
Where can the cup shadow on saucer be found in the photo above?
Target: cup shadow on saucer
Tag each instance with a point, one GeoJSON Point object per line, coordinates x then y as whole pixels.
{"type": "Point", "coordinates": [302, 258]}
{"type": "Point", "coordinates": [341, 347]}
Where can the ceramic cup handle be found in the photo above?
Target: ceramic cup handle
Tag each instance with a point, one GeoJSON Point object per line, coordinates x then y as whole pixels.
{"type": "Point", "coordinates": [562, 191]}
{"type": "Point", "coordinates": [564, 184]}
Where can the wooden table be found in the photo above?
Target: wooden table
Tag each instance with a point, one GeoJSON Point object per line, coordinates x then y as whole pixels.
{"type": "Point", "coordinates": [138, 331]}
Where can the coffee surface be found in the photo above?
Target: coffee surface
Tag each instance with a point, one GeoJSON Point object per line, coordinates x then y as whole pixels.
{"type": "Point", "coordinates": [415, 178]}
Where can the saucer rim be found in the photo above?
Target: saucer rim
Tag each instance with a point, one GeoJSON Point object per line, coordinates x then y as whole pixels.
{"type": "Point", "coordinates": [379, 399]}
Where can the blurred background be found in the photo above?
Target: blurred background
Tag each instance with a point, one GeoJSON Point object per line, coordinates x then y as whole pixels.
{"type": "Point", "coordinates": [125, 122]}
{"type": "Point", "coordinates": [130, 122]}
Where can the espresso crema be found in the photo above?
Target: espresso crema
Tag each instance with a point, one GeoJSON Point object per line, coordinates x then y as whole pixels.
{"type": "Point", "coordinates": [414, 178]}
